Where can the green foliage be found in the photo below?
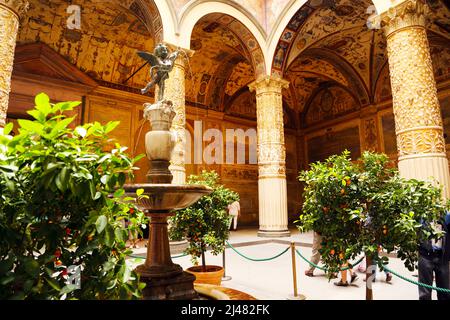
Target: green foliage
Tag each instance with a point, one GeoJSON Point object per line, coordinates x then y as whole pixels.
{"type": "Point", "coordinates": [60, 205]}
{"type": "Point", "coordinates": [364, 206]}
{"type": "Point", "coordinates": [205, 223]}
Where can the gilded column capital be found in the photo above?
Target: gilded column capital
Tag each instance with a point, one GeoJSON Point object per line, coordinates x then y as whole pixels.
{"type": "Point", "coordinates": [268, 84]}
{"type": "Point", "coordinates": [410, 13]}
{"type": "Point", "coordinates": [19, 7]}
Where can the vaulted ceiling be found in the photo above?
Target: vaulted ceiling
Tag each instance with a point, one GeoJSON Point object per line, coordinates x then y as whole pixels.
{"type": "Point", "coordinates": [328, 43]}
{"type": "Point", "coordinates": [225, 60]}
{"type": "Point", "coordinates": [105, 47]}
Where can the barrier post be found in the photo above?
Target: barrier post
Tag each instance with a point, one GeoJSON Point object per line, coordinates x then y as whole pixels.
{"type": "Point", "coordinates": [225, 277]}
{"type": "Point", "coordinates": [296, 296]}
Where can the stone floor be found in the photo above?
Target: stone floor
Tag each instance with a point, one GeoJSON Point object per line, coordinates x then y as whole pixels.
{"type": "Point", "coordinates": [273, 279]}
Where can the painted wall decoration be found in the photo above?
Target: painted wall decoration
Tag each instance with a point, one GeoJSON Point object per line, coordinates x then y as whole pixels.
{"type": "Point", "coordinates": [334, 142]}
{"type": "Point", "coordinates": [389, 137]}
{"type": "Point", "coordinates": [441, 61]}
{"type": "Point", "coordinates": [445, 109]}
{"type": "Point", "coordinates": [226, 59]}
{"type": "Point", "coordinates": [383, 89]}
{"type": "Point", "coordinates": [329, 103]}
{"type": "Point", "coordinates": [105, 47]}
{"type": "Point", "coordinates": [244, 106]}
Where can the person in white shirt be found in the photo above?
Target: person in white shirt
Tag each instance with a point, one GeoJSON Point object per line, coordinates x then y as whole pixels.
{"type": "Point", "coordinates": [234, 210]}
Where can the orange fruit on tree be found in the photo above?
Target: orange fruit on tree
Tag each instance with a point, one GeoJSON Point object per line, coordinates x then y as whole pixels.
{"type": "Point", "coordinates": [332, 252]}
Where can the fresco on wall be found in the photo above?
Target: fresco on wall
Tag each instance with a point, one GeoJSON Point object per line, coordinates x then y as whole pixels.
{"type": "Point", "coordinates": [105, 47]}
{"type": "Point", "coordinates": [389, 137]}
{"type": "Point", "coordinates": [383, 90]}
{"type": "Point", "coordinates": [445, 109]}
{"type": "Point", "coordinates": [441, 61]}
{"type": "Point", "coordinates": [244, 105]}
{"type": "Point", "coordinates": [330, 103]}
{"type": "Point", "coordinates": [317, 66]}
{"type": "Point", "coordinates": [334, 142]}
{"type": "Point", "coordinates": [241, 75]}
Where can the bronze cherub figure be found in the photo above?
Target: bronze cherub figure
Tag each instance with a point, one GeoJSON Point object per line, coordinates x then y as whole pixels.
{"type": "Point", "coordinates": [161, 64]}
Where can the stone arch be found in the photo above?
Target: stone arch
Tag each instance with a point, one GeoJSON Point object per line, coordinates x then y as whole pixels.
{"type": "Point", "coordinates": [148, 12]}
{"type": "Point", "coordinates": [253, 38]}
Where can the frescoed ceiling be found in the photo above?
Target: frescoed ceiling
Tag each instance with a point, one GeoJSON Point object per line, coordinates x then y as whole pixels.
{"type": "Point", "coordinates": [329, 42]}
{"type": "Point", "coordinates": [105, 47]}
{"type": "Point", "coordinates": [223, 62]}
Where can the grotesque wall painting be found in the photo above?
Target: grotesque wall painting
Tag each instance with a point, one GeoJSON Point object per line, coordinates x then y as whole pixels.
{"type": "Point", "coordinates": [330, 103]}
{"type": "Point", "coordinates": [226, 59]}
{"type": "Point", "coordinates": [105, 47]}
{"type": "Point", "coordinates": [244, 105]}
{"type": "Point", "coordinates": [321, 147]}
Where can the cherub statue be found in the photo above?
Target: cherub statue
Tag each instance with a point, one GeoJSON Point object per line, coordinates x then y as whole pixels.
{"type": "Point", "coordinates": [161, 64]}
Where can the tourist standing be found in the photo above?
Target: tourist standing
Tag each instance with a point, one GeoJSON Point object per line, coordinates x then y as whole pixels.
{"type": "Point", "coordinates": [434, 257]}
{"type": "Point", "coordinates": [315, 257]}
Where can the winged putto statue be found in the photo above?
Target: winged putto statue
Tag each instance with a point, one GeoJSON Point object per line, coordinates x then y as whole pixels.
{"type": "Point", "coordinates": [161, 64]}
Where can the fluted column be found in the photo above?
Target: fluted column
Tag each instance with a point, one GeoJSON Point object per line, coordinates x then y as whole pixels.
{"type": "Point", "coordinates": [10, 12]}
{"type": "Point", "coordinates": [175, 91]}
{"type": "Point", "coordinates": [418, 119]}
{"type": "Point", "coordinates": [272, 190]}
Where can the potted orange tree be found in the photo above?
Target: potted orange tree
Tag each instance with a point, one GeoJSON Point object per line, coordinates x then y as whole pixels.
{"type": "Point", "coordinates": [205, 225]}
{"type": "Point", "coordinates": [61, 235]}
{"type": "Point", "coordinates": [362, 206]}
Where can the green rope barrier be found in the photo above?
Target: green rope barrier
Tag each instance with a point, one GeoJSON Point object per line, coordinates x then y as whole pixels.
{"type": "Point", "coordinates": [258, 260]}
{"type": "Point", "coordinates": [417, 283]}
{"type": "Point", "coordinates": [324, 268]}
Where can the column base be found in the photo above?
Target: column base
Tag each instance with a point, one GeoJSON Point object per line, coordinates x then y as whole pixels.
{"type": "Point", "coordinates": [274, 233]}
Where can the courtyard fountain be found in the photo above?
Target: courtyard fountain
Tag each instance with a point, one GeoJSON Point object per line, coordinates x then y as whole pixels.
{"type": "Point", "coordinates": [163, 278]}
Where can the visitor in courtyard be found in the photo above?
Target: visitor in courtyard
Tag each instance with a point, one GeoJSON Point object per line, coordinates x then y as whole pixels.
{"type": "Point", "coordinates": [434, 257]}
{"type": "Point", "coordinates": [362, 268]}
{"type": "Point", "coordinates": [234, 209]}
{"type": "Point", "coordinates": [343, 282]}
{"type": "Point", "coordinates": [315, 257]}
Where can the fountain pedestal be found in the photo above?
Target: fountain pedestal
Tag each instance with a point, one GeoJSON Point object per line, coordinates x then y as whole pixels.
{"type": "Point", "coordinates": [165, 280]}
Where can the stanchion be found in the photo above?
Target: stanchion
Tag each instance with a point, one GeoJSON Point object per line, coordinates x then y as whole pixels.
{"type": "Point", "coordinates": [225, 277]}
{"type": "Point", "coordinates": [296, 296]}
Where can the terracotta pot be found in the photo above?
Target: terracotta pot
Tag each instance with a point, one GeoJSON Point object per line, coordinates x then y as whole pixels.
{"type": "Point", "coordinates": [213, 274]}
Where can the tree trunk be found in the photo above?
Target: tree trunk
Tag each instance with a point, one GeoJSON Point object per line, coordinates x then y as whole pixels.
{"type": "Point", "coordinates": [203, 261]}
{"type": "Point", "coordinates": [370, 273]}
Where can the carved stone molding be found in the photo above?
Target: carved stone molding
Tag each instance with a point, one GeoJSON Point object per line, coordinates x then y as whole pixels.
{"type": "Point", "coordinates": [268, 84]}
{"type": "Point", "coordinates": [407, 14]}
{"type": "Point", "coordinates": [19, 7]}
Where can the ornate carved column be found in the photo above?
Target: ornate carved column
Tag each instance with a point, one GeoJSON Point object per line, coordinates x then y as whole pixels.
{"type": "Point", "coordinates": [418, 119]}
{"type": "Point", "coordinates": [10, 12]}
{"type": "Point", "coordinates": [175, 91]}
{"type": "Point", "coordinates": [272, 190]}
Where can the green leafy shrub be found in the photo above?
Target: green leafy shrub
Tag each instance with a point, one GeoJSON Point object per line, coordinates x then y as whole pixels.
{"type": "Point", "coordinates": [60, 206]}
{"type": "Point", "coordinates": [360, 207]}
{"type": "Point", "coordinates": [205, 223]}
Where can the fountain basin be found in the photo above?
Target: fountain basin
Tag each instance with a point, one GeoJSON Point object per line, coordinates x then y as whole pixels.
{"type": "Point", "coordinates": [166, 197]}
